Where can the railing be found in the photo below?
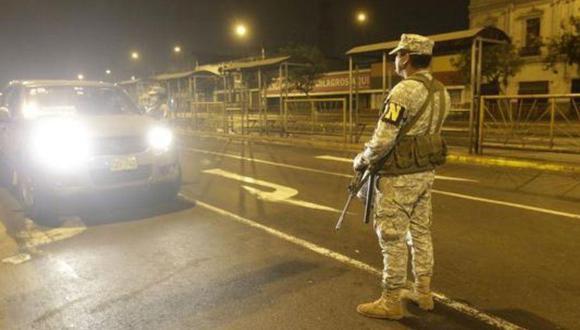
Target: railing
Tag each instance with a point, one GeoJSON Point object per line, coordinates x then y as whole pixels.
{"type": "Point", "coordinates": [532, 122]}
{"type": "Point", "coordinates": [326, 116]}
{"type": "Point", "coordinates": [203, 116]}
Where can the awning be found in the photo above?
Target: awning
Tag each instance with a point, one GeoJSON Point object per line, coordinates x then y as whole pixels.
{"type": "Point", "coordinates": [209, 68]}
{"type": "Point", "coordinates": [172, 76]}
{"type": "Point", "coordinates": [255, 64]}
{"type": "Point", "coordinates": [128, 82]}
{"type": "Point", "coordinates": [443, 42]}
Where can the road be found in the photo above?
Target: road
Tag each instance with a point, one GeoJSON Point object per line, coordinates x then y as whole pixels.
{"type": "Point", "coordinates": [251, 244]}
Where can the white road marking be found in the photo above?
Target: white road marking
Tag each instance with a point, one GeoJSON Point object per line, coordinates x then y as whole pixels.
{"type": "Point", "coordinates": [519, 206]}
{"type": "Point", "coordinates": [469, 197]}
{"type": "Point", "coordinates": [35, 237]}
{"type": "Point", "coordinates": [260, 161]}
{"type": "Point", "coordinates": [281, 194]}
{"type": "Point", "coordinates": [17, 259]}
{"type": "Point", "coordinates": [439, 177]}
{"type": "Point", "coordinates": [441, 298]}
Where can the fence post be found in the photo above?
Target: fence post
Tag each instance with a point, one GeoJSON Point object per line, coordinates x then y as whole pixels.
{"type": "Point", "coordinates": [312, 117]}
{"type": "Point", "coordinates": [344, 120]}
{"type": "Point", "coordinates": [481, 111]}
{"type": "Point", "coordinates": [284, 116]}
{"type": "Point", "coordinates": [552, 121]}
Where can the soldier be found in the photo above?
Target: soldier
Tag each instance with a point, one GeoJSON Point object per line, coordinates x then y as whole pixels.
{"type": "Point", "coordinates": [409, 126]}
{"type": "Point", "coordinates": [158, 103]}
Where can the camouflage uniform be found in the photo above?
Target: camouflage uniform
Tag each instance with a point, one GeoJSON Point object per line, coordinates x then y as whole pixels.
{"type": "Point", "coordinates": [402, 206]}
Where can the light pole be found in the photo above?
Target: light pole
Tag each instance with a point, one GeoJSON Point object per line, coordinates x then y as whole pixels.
{"type": "Point", "coordinates": [80, 76]}
{"type": "Point", "coordinates": [241, 33]}
{"type": "Point", "coordinates": [135, 57]}
{"type": "Point", "coordinates": [362, 21]}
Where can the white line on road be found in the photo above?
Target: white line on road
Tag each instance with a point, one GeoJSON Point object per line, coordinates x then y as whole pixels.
{"type": "Point", "coordinates": [519, 206]}
{"type": "Point", "coordinates": [260, 161]}
{"type": "Point", "coordinates": [463, 196]}
{"type": "Point", "coordinates": [441, 298]}
{"type": "Point", "coordinates": [439, 177]}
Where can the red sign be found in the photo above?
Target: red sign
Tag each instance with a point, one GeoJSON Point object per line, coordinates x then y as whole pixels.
{"type": "Point", "coordinates": [333, 83]}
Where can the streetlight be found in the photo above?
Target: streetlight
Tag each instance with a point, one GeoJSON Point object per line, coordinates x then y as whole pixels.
{"type": "Point", "coordinates": [177, 49]}
{"type": "Point", "coordinates": [108, 72]}
{"type": "Point", "coordinates": [133, 78]}
{"type": "Point", "coordinates": [135, 55]}
{"type": "Point", "coordinates": [80, 76]}
{"type": "Point", "coordinates": [361, 17]}
{"type": "Point", "coordinates": [241, 30]}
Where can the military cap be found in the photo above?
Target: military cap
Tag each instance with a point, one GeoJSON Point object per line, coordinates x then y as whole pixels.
{"type": "Point", "coordinates": [414, 43]}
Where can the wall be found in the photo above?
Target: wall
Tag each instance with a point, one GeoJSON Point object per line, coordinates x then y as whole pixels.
{"type": "Point", "coordinates": [510, 16]}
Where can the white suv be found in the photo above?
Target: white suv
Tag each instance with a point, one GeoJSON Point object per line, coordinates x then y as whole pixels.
{"type": "Point", "coordinates": [64, 139]}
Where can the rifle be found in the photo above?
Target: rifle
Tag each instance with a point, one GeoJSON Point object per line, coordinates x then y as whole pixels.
{"type": "Point", "coordinates": [358, 181]}
{"type": "Point", "coordinates": [355, 185]}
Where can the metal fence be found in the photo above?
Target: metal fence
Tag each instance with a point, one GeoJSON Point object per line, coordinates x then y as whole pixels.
{"type": "Point", "coordinates": [202, 116]}
{"type": "Point", "coordinates": [532, 122]}
{"type": "Point", "coordinates": [327, 116]}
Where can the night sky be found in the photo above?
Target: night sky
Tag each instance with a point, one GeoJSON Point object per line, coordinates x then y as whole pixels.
{"type": "Point", "coordinates": [60, 38]}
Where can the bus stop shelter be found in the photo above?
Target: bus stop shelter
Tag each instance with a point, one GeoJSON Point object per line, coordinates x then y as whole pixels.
{"type": "Point", "coordinates": [445, 44]}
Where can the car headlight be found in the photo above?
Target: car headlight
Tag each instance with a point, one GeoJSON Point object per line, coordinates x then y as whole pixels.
{"type": "Point", "coordinates": [60, 144]}
{"type": "Point", "coordinates": [160, 138]}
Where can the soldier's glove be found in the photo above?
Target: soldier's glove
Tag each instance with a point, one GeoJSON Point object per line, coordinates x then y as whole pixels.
{"type": "Point", "coordinates": [359, 164]}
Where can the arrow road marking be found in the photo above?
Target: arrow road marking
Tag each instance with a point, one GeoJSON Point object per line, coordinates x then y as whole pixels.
{"type": "Point", "coordinates": [456, 195]}
{"type": "Point", "coordinates": [281, 194]}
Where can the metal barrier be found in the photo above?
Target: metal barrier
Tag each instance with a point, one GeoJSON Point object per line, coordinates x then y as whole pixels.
{"type": "Point", "coordinates": [203, 116]}
{"type": "Point", "coordinates": [532, 122]}
{"type": "Point", "coordinates": [324, 116]}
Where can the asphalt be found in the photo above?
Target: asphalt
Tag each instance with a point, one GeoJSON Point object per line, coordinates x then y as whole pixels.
{"type": "Point", "coordinates": [135, 264]}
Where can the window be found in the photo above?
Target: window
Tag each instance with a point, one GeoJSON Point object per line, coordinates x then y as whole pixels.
{"type": "Point", "coordinates": [532, 37]}
{"type": "Point", "coordinates": [456, 95]}
{"type": "Point", "coordinates": [533, 87]}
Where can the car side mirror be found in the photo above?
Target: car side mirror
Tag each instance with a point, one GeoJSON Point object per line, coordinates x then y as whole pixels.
{"type": "Point", "coordinates": [4, 114]}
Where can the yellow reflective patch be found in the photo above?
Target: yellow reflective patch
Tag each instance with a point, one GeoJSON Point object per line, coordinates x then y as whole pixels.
{"type": "Point", "coordinates": [394, 113]}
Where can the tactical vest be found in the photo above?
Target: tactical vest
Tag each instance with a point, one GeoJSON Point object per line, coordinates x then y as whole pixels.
{"type": "Point", "coordinates": [419, 153]}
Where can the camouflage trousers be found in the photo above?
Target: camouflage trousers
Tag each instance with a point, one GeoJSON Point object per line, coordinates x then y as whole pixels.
{"type": "Point", "coordinates": [402, 217]}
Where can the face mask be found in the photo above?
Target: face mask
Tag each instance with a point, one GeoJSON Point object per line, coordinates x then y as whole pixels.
{"type": "Point", "coordinates": [399, 67]}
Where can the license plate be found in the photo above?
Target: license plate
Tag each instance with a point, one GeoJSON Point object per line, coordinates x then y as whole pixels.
{"type": "Point", "coordinates": [123, 164]}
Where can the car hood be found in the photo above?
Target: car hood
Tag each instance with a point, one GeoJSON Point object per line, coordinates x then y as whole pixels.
{"type": "Point", "coordinates": [117, 125]}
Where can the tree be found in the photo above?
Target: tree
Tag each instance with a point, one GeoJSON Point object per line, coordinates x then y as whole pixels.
{"type": "Point", "coordinates": [308, 65]}
{"type": "Point", "coordinates": [565, 48]}
{"type": "Point", "coordinates": [498, 64]}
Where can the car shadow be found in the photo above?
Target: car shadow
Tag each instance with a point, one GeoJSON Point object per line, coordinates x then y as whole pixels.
{"type": "Point", "coordinates": [120, 209]}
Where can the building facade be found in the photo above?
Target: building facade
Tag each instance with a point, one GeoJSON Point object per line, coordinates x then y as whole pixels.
{"type": "Point", "coordinates": [528, 23]}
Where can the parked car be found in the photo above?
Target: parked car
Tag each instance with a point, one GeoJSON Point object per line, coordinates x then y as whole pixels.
{"type": "Point", "coordinates": [64, 139]}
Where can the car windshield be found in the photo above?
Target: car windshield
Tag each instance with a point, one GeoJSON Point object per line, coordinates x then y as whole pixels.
{"type": "Point", "coordinates": [84, 100]}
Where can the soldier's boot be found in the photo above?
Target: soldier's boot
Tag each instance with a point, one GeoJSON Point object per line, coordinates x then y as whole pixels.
{"type": "Point", "coordinates": [421, 294]}
{"type": "Point", "coordinates": [388, 306]}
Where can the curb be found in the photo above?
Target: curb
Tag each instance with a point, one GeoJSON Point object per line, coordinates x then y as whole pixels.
{"type": "Point", "coordinates": [453, 157]}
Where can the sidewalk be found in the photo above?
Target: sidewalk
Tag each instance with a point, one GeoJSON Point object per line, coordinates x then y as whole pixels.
{"type": "Point", "coordinates": [542, 161]}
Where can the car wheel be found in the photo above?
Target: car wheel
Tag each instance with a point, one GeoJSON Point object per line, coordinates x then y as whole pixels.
{"type": "Point", "coordinates": [38, 205]}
